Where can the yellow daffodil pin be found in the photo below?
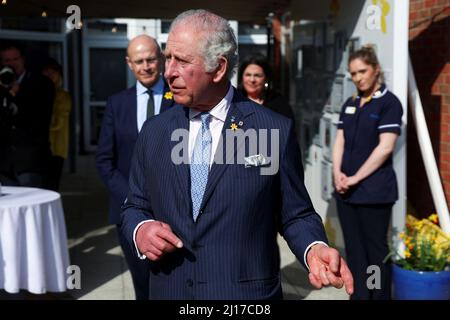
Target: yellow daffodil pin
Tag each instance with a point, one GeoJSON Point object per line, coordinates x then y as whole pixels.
{"type": "Point", "coordinates": [168, 95]}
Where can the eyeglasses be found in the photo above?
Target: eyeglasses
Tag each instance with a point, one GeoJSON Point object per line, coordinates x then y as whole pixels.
{"type": "Point", "coordinates": [141, 61]}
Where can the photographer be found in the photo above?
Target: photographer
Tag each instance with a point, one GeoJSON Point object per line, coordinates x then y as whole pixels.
{"type": "Point", "coordinates": [27, 101]}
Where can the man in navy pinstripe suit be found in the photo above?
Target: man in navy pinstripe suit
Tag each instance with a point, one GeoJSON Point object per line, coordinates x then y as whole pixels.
{"type": "Point", "coordinates": [225, 245]}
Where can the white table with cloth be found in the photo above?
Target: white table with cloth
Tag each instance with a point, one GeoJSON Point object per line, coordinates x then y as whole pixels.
{"type": "Point", "coordinates": [33, 241]}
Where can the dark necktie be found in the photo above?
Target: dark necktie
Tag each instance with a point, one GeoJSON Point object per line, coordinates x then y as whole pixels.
{"type": "Point", "coordinates": [150, 104]}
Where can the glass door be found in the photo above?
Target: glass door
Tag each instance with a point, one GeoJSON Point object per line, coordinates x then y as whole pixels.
{"type": "Point", "coordinates": [105, 72]}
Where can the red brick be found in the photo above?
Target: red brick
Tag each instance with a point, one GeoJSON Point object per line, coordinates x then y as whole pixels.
{"type": "Point", "coordinates": [435, 90]}
{"type": "Point", "coordinates": [446, 187]}
{"type": "Point", "coordinates": [444, 89]}
{"type": "Point", "coordinates": [445, 107]}
{"type": "Point", "coordinates": [413, 15]}
{"type": "Point", "coordinates": [445, 177]}
{"type": "Point", "coordinates": [446, 157]}
{"type": "Point", "coordinates": [446, 68]}
{"type": "Point", "coordinates": [423, 14]}
{"type": "Point", "coordinates": [444, 166]}
{"type": "Point", "coordinates": [439, 80]}
{"type": "Point", "coordinates": [444, 147]}
{"type": "Point", "coordinates": [445, 163]}
{"type": "Point", "coordinates": [430, 3]}
{"type": "Point", "coordinates": [446, 102]}
{"type": "Point", "coordinates": [445, 118]}
{"type": "Point", "coordinates": [447, 9]}
{"type": "Point", "coordinates": [438, 15]}
{"type": "Point", "coordinates": [417, 5]}
{"type": "Point", "coordinates": [434, 12]}
{"type": "Point", "coordinates": [412, 33]}
{"type": "Point", "coordinates": [445, 110]}
{"type": "Point", "coordinates": [442, 153]}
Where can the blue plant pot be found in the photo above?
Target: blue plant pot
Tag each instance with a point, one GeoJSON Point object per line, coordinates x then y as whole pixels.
{"type": "Point", "coordinates": [420, 285]}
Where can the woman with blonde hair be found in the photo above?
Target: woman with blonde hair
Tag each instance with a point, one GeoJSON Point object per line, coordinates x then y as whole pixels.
{"type": "Point", "coordinates": [364, 178]}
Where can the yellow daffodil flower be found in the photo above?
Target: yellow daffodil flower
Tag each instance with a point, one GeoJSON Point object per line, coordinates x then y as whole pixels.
{"type": "Point", "coordinates": [168, 95]}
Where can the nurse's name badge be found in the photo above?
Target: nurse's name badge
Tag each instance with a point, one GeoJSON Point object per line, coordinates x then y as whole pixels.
{"type": "Point", "coordinates": [350, 110]}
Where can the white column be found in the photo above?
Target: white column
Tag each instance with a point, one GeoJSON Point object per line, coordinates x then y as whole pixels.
{"type": "Point", "coordinates": [399, 51]}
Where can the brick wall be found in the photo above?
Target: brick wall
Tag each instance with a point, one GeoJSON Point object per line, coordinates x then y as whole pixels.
{"type": "Point", "coordinates": [429, 46]}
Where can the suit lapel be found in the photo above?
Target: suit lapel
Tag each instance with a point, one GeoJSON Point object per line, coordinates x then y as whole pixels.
{"type": "Point", "coordinates": [167, 99]}
{"type": "Point", "coordinates": [237, 114]}
{"type": "Point", "coordinates": [181, 121]}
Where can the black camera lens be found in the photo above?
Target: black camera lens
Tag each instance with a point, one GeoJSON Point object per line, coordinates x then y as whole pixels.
{"type": "Point", "coordinates": [7, 76]}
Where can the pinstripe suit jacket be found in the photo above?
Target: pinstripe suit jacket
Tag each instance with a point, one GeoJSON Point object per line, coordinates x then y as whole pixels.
{"type": "Point", "coordinates": [231, 251]}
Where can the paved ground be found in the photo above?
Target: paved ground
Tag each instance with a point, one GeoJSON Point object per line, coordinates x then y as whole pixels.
{"type": "Point", "coordinates": [94, 247]}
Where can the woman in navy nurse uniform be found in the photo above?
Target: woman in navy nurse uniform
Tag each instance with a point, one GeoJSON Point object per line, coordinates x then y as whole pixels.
{"type": "Point", "coordinates": [364, 179]}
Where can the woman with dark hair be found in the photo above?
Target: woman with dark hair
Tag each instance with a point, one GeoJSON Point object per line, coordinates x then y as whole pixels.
{"type": "Point", "coordinates": [255, 81]}
{"type": "Point", "coordinates": [364, 178]}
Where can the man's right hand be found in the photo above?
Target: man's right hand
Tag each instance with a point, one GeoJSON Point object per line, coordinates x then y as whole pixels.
{"type": "Point", "coordinates": [155, 238]}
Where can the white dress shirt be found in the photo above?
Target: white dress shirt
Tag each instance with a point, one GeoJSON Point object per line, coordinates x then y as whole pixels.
{"type": "Point", "coordinates": [142, 99]}
{"type": "Point", "coordinates": [217, 119]}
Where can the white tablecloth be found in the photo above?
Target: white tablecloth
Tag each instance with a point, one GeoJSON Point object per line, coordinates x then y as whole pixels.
{"type": "Point", "coordinates": [33, 241]}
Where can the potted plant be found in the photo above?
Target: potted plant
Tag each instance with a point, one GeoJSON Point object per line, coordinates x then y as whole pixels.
{"type": "Point", "coordinates": [423, 271]}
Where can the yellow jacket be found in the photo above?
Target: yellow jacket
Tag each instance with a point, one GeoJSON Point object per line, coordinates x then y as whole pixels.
{"type": "Point", "coordinates": [59, 128]}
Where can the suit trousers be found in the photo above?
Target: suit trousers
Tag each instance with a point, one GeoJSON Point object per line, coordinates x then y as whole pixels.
{"type": "Point", "coordinates": [365, 230]}
{"type": "Point", "coordinates": [139, 269]}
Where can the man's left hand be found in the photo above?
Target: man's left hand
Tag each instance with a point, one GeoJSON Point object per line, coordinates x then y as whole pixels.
{"type": "Point", "coordinates": [327, 267]}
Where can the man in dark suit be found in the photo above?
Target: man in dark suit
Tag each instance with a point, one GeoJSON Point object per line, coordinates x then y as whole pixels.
{"type": "Point", "coordinates": [204, 213]}
{"type": "Point", "coordinates": [124, 116]}
{"type": "Point", "coordinates": [26, 156]}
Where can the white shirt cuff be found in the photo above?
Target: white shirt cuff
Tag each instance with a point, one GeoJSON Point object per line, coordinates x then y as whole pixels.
{"type": "Point", "coordinates": [141, 256]}
{"type": "Point", "coordinates": [307, 249]}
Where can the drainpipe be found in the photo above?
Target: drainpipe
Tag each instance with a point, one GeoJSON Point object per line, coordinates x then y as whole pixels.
{"type": "Point", "coordinates": [429, 161]}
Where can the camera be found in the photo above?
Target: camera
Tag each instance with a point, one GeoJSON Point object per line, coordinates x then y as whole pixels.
{"type": "Point", "coordinates": [8, 108]}
{"type": "Point", "coordinates": [7, 76]}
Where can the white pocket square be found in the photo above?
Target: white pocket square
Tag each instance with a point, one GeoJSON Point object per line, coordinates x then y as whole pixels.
{"type": "Point", "coordinates": [256, 160]}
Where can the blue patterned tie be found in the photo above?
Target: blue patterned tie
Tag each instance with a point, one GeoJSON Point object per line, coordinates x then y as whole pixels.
{"type": "Point", "coordinates": [200, 164]}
